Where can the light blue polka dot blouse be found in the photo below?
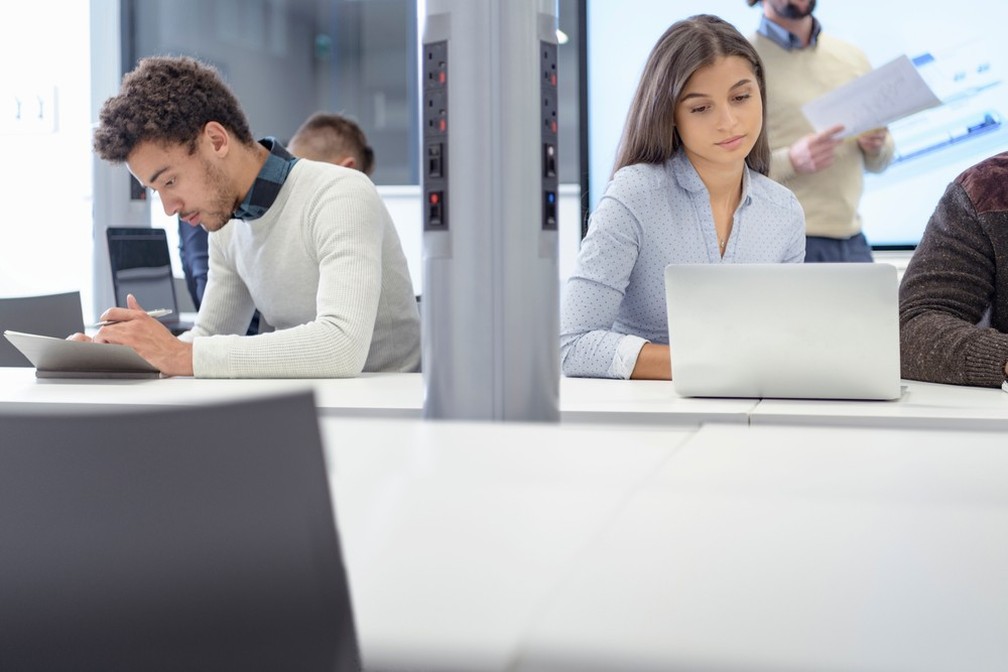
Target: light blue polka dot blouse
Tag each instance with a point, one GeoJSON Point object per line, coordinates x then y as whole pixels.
{"type": "Point", "coordinates": [649, 217]}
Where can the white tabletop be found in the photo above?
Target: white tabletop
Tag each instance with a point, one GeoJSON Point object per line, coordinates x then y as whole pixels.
{"type": "Point", "coordinates": [922, 406]}
{"type": "Point", "coordinates": [400, 395]}
{"type": "Point", "coordinates": [772, 548]}
{"type": "Point", "coordinates": [454, 534]}
{"type": "Point", "coordinates": [388, 395]}
{"type": "Point", "coordinates": [644, 401]}
{"type": "Point", "coordinates": [371, 395]}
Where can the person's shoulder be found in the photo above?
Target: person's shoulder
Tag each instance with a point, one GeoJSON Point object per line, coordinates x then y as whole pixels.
{"type": "Point", "coordinates": [637, 180]}
{"type": "Point", "coordinates": [828, 39]}
{"type": "Point", "coordinates": [767, 190]}
{"type": "Point", "coordinates": [828, 43]}
{"type": "Point", "coordinates": [986, 183]}
{"type": "Point", "coordinates": [761, 42]}
{"type": "Point", "coordinates": [321, 171]}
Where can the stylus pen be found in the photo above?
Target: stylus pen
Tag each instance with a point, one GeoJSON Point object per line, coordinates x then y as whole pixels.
{"type": "Point", "coordinates": [160, 312]}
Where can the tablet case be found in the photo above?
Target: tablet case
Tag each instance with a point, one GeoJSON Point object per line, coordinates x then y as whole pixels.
{"type": "Point", "coordinates": [59, 358]}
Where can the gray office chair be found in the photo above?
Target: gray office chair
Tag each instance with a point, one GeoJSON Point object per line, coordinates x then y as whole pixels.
{"type": "Point", "coordinates": [178, 538]}
{"type": "Point", "coordinates": [57, 315]}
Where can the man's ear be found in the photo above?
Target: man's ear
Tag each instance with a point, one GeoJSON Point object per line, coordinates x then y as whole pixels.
{"type": "Point", "coordinates": [347, 162]}
{"type": "Point", "coordinates": [218, 137]}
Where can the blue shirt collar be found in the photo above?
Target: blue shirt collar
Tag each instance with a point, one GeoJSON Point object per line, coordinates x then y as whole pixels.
{"type": "Point", "coordinates": [784, 38]}
{"type": "Point", "coordinates": [268, 182]}
{"type": "Point", "coordinates": [687, 177]}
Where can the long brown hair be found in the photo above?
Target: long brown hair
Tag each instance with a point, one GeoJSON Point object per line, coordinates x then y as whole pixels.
{"type": "Point", "coordinates": [649, 135]}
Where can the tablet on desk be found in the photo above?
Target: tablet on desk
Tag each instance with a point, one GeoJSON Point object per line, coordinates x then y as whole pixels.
{"type": "Point", "coordinates": [59, 358]}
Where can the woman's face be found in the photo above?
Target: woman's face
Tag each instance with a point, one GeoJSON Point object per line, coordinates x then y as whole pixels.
{"type": "Point", "coordinates": [720, 113]}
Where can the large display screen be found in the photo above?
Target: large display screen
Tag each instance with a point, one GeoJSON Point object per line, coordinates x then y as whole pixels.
{"type": "Point", "coordinates": [956, 50]}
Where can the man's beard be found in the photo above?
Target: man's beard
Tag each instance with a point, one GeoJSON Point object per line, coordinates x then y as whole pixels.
{"type": "Point", "coordinates": [792, 11]}
{"type": "Point", "coordinates": [223, 205]}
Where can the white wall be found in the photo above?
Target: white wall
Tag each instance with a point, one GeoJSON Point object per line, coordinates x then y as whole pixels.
{"type": "Point", "coordinates": [46, 175]}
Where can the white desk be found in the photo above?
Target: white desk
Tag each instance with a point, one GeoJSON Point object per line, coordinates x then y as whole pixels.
{"type": "Point", "coordinates": [644, 402]}
{"type": "Point", "coordinates": [385, 395]}
{"type": "Point", "coordinates": [454, 534]}
{"type": "Point", "coordinates": [586, 546]}
{"type": "Point", "coordinates": [371, 395]}
{"type": "Point", "coordinates": [796, 548]}
{"type": "Point", "coordinates": [922, 406]}
{"type": "Point", "coordinates": [638, 402]}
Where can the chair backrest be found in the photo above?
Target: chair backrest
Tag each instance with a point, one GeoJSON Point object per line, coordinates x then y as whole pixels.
{"type": "Point", "coordinates": [170, 539]}
{"type": "Point", "coordinates": [57, 315]}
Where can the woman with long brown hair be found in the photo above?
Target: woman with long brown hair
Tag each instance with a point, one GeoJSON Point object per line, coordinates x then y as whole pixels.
{"type": "Point", "coordinates": [689, 186]}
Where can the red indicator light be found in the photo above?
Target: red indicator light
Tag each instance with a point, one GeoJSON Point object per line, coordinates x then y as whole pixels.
{"type": "Point", "coordinates": [434, 198]}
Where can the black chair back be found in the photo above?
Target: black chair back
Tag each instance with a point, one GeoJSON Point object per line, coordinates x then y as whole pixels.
{"type": "Point", "coordinates": [182, 538]}
{"type": "Point", "coordinates": [57, 315]}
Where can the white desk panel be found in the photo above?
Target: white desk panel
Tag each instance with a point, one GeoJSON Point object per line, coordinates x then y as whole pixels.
{"type": "Point", "coordinates": [398, 395]}
{"type": "Point", "coordinates": [454, 534]}
{"type": "Point", "coordinates": [922, 406]}
{"type": "Point", "coordinates": [795, 548]}
{"type": "Point", "coordinates": [644, 401]}
{"type": "Point", "coordinates": [371, 395]}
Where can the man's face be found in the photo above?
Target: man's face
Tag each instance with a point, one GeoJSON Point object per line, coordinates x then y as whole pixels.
{"type": "Point", "coordinates": [792, 9]}
{"type": "Point", "coordinates": [191, 185]}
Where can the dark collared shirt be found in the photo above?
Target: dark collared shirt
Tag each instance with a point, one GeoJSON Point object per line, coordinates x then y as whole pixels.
{"type": "Point", "coordinates": [268, 182]}
{"type": "Point", "coordinates": [784, 38]}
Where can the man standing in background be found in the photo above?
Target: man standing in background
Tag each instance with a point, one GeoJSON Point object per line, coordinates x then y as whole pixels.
{"type": "Point", "coordinates": [825, 172]}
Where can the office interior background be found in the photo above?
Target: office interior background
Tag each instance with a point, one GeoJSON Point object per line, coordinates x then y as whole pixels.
{"type": "Point", "coordinates": [289, 58]}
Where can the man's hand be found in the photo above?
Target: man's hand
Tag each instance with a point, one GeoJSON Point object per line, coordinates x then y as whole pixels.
{"type": "Point", "coordinates": [872, 142]}
{"type": "Point", "coordinates": [815, 151]}
{"type": "Point", "coordinates": [132, 326]}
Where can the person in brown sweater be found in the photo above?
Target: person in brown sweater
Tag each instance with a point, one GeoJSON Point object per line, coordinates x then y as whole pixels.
{"type": "Point", "coordinates": [954, 294]}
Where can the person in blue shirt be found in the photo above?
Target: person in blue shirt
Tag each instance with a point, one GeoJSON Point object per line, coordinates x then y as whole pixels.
{"type": "Point", "coordinates": [689, 185]}
{"type": "Point", "coordinates": [333, 138]}
{"type": "Point", "coordinates": [194, 252]}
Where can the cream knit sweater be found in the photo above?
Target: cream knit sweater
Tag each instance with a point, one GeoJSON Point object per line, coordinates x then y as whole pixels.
{"type": "Point", "coordinates": [829, 197]}
{"type": "Point", "coordinates": [325, 268]}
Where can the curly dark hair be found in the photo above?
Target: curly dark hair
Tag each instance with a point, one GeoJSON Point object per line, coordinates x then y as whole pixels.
{"type": "Point", "coordinates": [167, 99]}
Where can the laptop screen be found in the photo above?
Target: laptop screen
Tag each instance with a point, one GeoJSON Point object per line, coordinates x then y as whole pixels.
{"type": "Point", "coordinates": [141, 266]}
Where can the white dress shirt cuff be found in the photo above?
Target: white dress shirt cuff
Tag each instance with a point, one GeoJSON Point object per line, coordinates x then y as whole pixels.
{"type": "Point", "coordinates": [626, 355]}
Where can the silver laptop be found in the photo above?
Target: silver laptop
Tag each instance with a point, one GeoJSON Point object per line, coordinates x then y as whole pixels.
{"type": "Point", "coordinates": [802, 331]}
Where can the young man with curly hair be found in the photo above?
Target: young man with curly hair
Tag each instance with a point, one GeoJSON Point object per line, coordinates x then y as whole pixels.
{"type": "Point", "coordinates": [309, 244]}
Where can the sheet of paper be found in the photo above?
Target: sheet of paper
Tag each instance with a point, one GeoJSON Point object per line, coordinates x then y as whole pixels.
{"type": "Point", "coordinates": [878, 98]}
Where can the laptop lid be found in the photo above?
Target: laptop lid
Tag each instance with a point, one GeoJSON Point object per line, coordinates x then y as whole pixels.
{"type": "Point", "coordinates": [141, 265]}
{"type": "Point", "coordinates": [812, 331]}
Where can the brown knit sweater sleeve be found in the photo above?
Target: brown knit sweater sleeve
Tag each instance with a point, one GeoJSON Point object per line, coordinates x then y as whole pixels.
{"type": "Point", "coordinates": [951, 282]}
